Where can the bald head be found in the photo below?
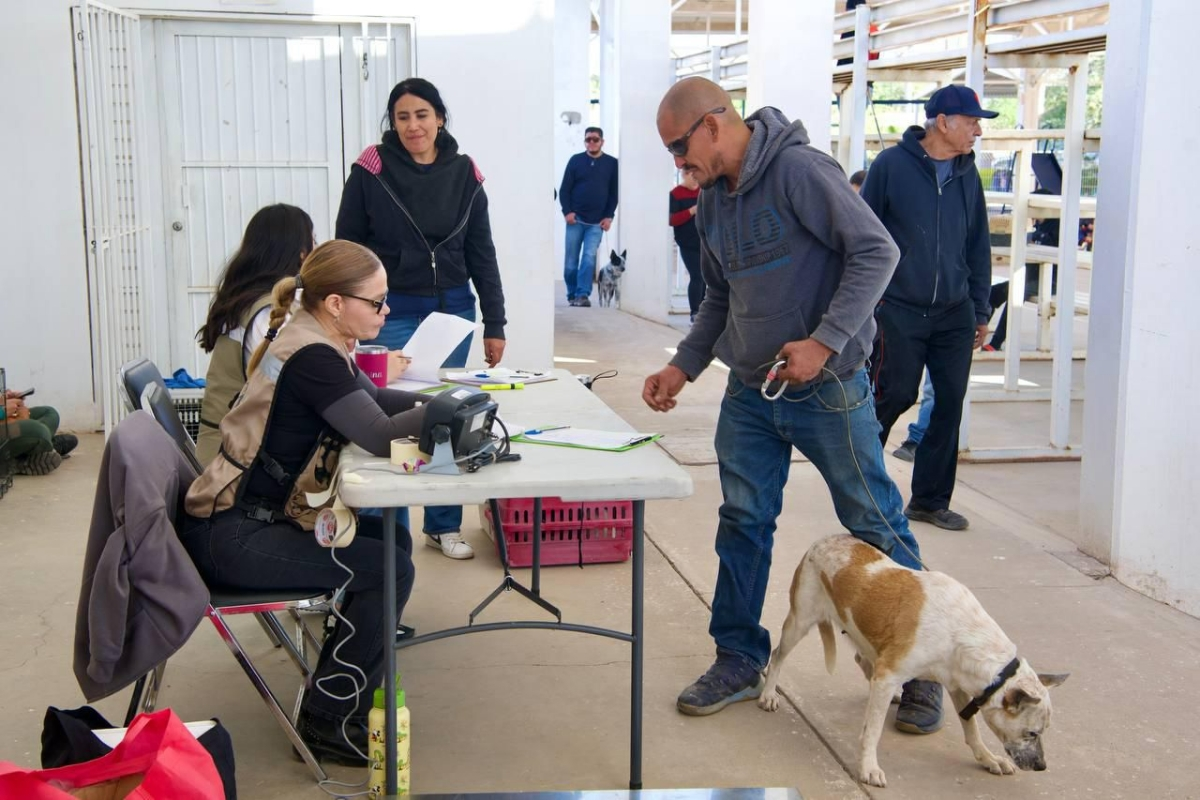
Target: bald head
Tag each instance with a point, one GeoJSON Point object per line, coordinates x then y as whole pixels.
{"type": "Point", "coordinates": [699, 124]}
{"type": "Point", "coordinates": [689, 98]}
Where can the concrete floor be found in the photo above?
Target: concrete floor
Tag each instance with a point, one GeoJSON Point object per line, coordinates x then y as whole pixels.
{"type": "Point", "coordinates": [547, 711]}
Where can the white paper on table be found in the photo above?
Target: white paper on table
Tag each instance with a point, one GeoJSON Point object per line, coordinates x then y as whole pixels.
{"type": "Point", "coordinates": [432, 343]}
{"type": "Point", "coordinates": [479, 377]}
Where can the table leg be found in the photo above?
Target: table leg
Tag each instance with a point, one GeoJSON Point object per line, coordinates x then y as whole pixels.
{"type": "Point", "coordinates": [389, 645]}
{"type": "Point", "coordinates": [635, 691]}
{"type": "Point", "coordinates": [537, 546]}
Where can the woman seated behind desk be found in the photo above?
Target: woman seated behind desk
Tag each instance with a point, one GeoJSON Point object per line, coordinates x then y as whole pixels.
{"type": "Point", "coordinates": [249, 525]}
{"type": "Point", "coordinates": [277, 239]}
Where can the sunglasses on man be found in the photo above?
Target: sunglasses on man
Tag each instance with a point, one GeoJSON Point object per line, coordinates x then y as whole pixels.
{"type": "Point", "coordinates": [679, 147]}
{"type": "Point", "coordinates": [591, 139]}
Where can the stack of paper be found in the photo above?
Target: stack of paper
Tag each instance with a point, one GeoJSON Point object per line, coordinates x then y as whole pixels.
{"type": "Point", "coordinates": [479, 377]}
{"type": "Point", "coordinates": [588, 439]}
{"type": "Point", "coordinates": [430, 345]}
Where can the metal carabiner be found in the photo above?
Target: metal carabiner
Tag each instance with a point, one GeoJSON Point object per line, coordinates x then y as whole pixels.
{"type": "Point", "coordinates": [772, 376]}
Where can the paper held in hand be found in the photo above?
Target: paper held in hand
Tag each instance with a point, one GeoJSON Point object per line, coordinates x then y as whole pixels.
{"type": "Point", "coordinates": [430, 345]}
{"type": "Point", "coordinates": [617, 441]}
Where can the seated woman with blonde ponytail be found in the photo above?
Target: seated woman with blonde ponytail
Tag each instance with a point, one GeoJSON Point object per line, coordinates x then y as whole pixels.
{"type": "Point", "coordinates": [249, 523]}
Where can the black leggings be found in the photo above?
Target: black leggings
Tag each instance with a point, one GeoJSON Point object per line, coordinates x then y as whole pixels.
{"type": "Point", "coordinates": [233, 551]}
{"type": "Point", "coordinates": [691, 260]}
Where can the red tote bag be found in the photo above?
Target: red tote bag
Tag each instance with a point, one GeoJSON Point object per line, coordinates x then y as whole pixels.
{"type": "Point", "coordinates": [157, 760]}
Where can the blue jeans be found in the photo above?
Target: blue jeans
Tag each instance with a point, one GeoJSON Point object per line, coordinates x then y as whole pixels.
{"type": "Point", "coordinates": [579, 269]}
{"type": "Point", "coordinates": [916, 430]}
{"type": "Point", "coordinates": [395, 334]}
{"type": "Point", "coordinates": [754, 444]}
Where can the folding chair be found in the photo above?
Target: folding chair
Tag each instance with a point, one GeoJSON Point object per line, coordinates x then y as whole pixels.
{"type": "Point", "coordinates": [143, 389]}
{"type": "Point", "coordinates": [225, 603]}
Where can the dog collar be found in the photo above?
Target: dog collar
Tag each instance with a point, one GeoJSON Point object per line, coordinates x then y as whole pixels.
{"type": "Point", "coordinates": [972, 708]}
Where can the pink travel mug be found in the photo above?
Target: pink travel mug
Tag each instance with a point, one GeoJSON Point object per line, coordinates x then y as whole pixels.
{"type": "Point", "coordinates": [372, 360]}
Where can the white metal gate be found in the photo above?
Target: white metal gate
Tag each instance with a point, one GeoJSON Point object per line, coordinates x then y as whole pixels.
{"type": "Point", "coordinates": [109, 77]}
{"type": "Point", "coordinates": [254, 113]}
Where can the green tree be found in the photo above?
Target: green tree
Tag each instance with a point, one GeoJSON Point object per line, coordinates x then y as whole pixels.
{"type": "Point", "coordinates": [1055, 114]}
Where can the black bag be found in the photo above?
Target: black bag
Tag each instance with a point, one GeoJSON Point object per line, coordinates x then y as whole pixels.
{"type": "Point", "coordinates": [67, 739]}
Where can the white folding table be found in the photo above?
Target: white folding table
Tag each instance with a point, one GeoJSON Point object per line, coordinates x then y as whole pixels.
{"type": "Point", "coordinates": [644, 473]}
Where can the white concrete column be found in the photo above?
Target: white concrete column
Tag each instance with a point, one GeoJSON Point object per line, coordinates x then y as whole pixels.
{"type": "Point", "coordinates": [610, 92]}
{"type": "Point", "coordinates": [647, 172]}
{"type": "Point", "coordinates": [854, 109]}
{"type": "Point", "coordinates": [1140, 470]}
{"type": "Point", "coordinates": [609, 74]}
{"type": "Point", "coordinates": [572, 34]}
{"type": "Point", "coordinates": [791, 63]}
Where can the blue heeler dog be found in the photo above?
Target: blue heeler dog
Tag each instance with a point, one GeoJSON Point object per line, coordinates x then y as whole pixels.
{"type": "Point", "coordinates": [609, 279]}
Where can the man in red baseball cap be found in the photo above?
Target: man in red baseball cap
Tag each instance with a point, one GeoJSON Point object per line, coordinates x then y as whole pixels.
{"type": "Point", "coordinates": [935, 311]}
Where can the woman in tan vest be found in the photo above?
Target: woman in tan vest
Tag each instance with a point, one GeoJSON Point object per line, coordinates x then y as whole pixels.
{"type": "Point", "coordinates": [249, 521]}
{"type": "Point", "coordinates": [277, 239]}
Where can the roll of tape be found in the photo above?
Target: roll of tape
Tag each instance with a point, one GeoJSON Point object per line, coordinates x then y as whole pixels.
{"type": "Point", "coordinates": [406, 452]}
{"type": "Point", "coordinates": [335, 526]}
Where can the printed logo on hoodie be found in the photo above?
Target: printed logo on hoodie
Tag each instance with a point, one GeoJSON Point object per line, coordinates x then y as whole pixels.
{"type": "Point", "coordinates": [755, 247]}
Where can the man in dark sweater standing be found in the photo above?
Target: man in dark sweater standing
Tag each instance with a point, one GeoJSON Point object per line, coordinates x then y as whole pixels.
{"type": "Point", "coordinates": [794, 262]}
{"type": "Point", "coordinates": [935, 311]}
{"type": "Point", "coordinates": [588, 197]}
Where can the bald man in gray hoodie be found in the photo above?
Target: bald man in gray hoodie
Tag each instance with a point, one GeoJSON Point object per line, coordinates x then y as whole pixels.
{"type": "Point", "coordinates": [794, 262]}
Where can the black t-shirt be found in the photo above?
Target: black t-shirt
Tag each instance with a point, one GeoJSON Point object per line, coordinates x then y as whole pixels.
{"type": "Point", "coordinates": [314, 378]}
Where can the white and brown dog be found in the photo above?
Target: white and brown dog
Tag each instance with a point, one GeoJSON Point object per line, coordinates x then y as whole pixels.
{"type": "Point", "coordinates": [907, 624]}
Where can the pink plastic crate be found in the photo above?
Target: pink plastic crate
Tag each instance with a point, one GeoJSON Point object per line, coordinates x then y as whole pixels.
{"type": "Point", "coordinates": [604, 529]}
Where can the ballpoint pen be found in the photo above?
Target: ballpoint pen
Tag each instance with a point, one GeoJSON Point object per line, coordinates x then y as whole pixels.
{"type": "Point", "coordinates": [536, 431]}
{"type": "Point", "coordinates": [491, 387]}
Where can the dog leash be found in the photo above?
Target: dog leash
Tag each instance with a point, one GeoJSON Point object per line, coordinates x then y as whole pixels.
{"type": "Point", "coordinates": [972, 708]}
{"type": "Point", "coordinates": [765, 390]}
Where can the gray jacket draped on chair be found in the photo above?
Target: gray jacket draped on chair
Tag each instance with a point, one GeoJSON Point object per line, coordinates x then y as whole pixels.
{"type": "Point", "coordinates": [141, 596]}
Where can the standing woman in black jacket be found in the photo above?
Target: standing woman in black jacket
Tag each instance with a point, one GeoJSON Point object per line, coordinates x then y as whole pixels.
{"type": "Point", "coordinates": [420, 205]}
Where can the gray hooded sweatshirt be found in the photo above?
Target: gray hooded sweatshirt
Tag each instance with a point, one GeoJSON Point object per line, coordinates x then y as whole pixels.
{"type": "Point", "coordinates": [792, 253]}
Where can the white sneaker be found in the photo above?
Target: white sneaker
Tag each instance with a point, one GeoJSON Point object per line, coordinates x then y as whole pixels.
{"type": "Point", "coordinates": [452, 545]}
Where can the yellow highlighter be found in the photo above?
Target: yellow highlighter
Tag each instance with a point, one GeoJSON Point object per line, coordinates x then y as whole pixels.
{"type": "Point", "coordinates": [492, 387]}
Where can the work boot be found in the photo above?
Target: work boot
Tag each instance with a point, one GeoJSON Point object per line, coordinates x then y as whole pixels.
{"type": "Point", "coordinates": [64, 443]}
{"type": "Point", "coordinates": [585, 302]}
{"type": "Point", "coordinates": [943, 518]}
{"type": "Point", "coordinates": [730, 679]}
{"type": "Point", "coordinates": [920, 708]}
{"type": "Point", "coordinates": [325, 739]}
{"type": "Point", "coordinates": [907, 451]}
{"type": "Point", "coordinates": [39, 463]}
{"type": "Point", "coordinates": [452, 545]}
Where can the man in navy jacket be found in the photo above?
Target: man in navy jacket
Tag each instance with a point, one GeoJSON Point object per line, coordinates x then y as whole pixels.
{"type": "Point", "coordinates": [935, 311]}
{"type": "Point", "coordinates": [588, 197]}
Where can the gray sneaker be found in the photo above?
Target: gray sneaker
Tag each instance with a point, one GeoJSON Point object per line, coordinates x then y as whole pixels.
{"type": "Point", "coordinates": [39, 463]}
{"type": "Point", "coordinates": [729, 680]}
{"type": "Point", "coordinates": [907, 451]}
{"type": "Point", "coordinates": [943, 518]}
{"type": "Point", "coordinates": [920, 707]}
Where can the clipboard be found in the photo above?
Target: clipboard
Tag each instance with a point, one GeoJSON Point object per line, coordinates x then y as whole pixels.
{"type": "Point", "coordinates": [584, 439]}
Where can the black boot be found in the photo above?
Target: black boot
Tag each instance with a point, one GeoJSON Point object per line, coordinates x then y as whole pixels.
{"type": "Point", "coordinates": [325, 739]}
